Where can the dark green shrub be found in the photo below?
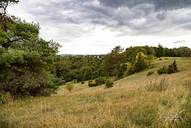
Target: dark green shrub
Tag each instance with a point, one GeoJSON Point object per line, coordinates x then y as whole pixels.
{"type": "Point", "coordinates": [172, 68]}
{"type": "Point", "coordinates": [97, 82]}
{"type": "Point", "coordinates": [100, 81]}
{"type": "Point", "coordinates": [109, 83]}
{"type": "Point", "coordinates": [150, 73]}
{"type": "Point", "coordinates": [162, 70]}
{"type": "Point", "coordinates": [82, 82]}
{"type": "Point", "coordinates": [92, 83]}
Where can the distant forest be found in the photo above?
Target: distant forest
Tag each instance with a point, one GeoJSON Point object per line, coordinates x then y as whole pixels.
{"type": "Point", "coordinates": [118, 63]}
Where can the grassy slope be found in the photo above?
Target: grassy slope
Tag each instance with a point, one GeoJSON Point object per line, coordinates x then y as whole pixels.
{"type": "Point", "coordinates": [127, 104]}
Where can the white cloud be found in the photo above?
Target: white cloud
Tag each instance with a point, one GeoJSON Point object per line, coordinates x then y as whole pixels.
{"type": "Point", "coordinates": [90, 27]}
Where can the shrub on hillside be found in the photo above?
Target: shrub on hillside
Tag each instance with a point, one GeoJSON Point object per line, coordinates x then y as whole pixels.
{"type": "Point", "coordinates": [92, 83]}
{"type": "Point", "coordinates": [162, 70]}
{"type": "Point", "coordinates": [69, 87]}
{"type": "Point", "coordinates": [150, 73]}
{"type": "Point", "coordinates": [97, 82]}
{"type": "Point", "coordinates": [172, 68]}
{"type": "Point", "coordinates": [100, 81]}
{"type": "Point", "coordinates": [109, 83]}
{"type": "Point", "coordinates": [82, 82]}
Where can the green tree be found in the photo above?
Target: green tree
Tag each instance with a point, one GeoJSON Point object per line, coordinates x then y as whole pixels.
{"type": "Point", "coordinates": [3, 14]}
{"type": "Point", "coordinates": [5, 3]}
{"type": "Point", "coordinates": [160, 51]}
{"type": "Point", "coordinates": [140, 63]}
{"type": "Point", "coordinates": [86, 73]}
{"type": "Point", "coordinates": [113, 60]}
{"type": "Point", "coordinates": [26, 61]}
{"type": "Point", "coordinates": [121, 70]}
{"type": "Point", "coordinates": [131, 53]}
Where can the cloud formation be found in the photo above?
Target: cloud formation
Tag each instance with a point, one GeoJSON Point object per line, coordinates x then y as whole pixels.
{"type": "Point", "coordinates": [137, 15]}
{"type": "Point", "coordinates": [71, 21]}
{"type": "Point", "coordinates": [158, 4]}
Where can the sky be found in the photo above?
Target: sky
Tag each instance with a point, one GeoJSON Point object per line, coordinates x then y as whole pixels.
{"type": "Point", "coordinates": [96, 26]}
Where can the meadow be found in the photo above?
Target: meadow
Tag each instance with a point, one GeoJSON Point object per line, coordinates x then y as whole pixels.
{"type": "Point", "coordinates": [137, 101]}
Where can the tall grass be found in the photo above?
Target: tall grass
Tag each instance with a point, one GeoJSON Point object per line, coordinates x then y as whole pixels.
{"type": "Point", "coordinates": [157, 85]}
{"type": "Point", "coordinates": [106, 109]}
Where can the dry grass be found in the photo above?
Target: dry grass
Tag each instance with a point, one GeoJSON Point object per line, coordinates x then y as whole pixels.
{"type": "Point", "coordinates": [125, 105]}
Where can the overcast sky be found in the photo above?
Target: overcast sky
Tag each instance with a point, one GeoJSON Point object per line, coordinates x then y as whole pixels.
{"type": "Point", "coordinates": [96, 26]}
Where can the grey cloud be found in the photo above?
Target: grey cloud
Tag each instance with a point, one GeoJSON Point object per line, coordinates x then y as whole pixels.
{"type": "Point", "coordinates": [139, 16]}
{"type": "Point", "coordinates": [161, 15]}
{"type": "Point", "coordinates": [159, 4]}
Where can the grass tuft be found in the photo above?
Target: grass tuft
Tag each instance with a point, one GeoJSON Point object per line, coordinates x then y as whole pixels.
{"type": "Point", "coordinates": [155, 85]}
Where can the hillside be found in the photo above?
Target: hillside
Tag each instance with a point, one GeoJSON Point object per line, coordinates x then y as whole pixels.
{"type": "Point", "coordinates": [132, 102]}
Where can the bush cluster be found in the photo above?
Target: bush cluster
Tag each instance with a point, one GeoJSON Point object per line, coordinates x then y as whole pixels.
{"type": "Point", "coordinates": [109, 83]}
{"type": "Point", "coordinates": [100, 81]}
{"type": "Point", "coordinates": [92, 83]}
{"type": "Point", "coordinates": [162, 70]}
{"type": "Point", "coordinates": [96, 82]}
{"type": "Point", "coordinates": [82, 82]}
{"type": "Point", "coordinates": [172, 68]}
{"type": "Point", "coordinates": [150, 73]}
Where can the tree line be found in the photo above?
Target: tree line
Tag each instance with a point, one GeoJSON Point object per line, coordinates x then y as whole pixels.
{"type": "Point", "coordinates": [117, 64]}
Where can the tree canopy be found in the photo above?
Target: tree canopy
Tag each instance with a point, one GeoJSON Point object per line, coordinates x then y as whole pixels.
{"type": "Point", "coordinates": [26, 60]}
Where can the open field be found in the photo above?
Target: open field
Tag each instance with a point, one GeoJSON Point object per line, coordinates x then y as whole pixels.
{"type": "Point", "coordinates": [131, 103]}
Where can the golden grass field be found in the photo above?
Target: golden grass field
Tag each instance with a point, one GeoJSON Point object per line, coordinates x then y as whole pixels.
{"type": "Point", "coordinates": [129, 104]}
